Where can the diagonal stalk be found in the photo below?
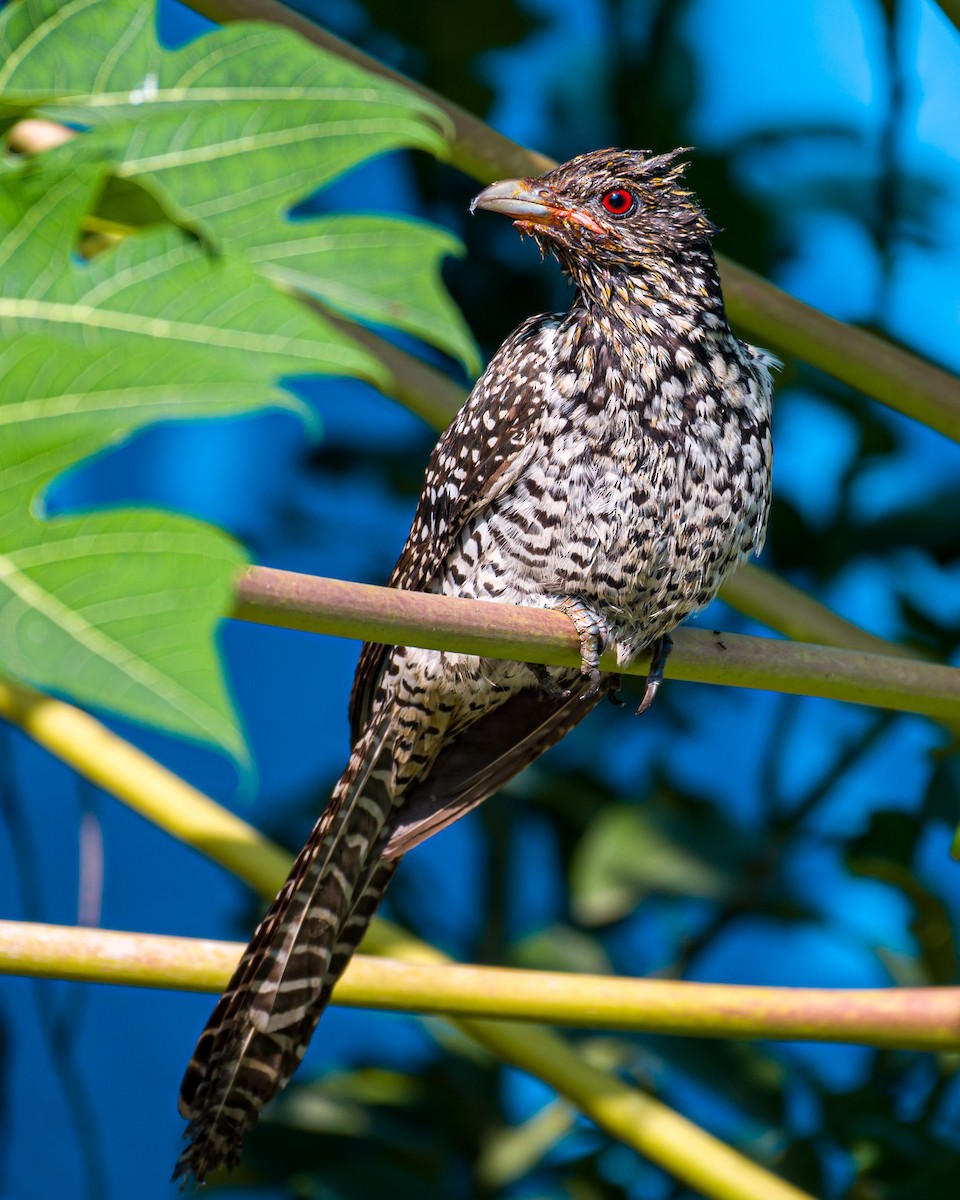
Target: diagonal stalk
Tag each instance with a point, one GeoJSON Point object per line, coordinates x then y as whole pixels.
{"type": "Point", "coordinates": [873, 365]}
{"type": "Point", "coordinates": [356, 610]}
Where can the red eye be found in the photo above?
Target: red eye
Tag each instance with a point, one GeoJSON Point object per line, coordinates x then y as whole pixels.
{"type": "Point", "coordinates": [618, 201]}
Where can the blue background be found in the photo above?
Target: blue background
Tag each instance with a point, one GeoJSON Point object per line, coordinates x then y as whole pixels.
{"type": "Point", "coordinates": [90, 1073]}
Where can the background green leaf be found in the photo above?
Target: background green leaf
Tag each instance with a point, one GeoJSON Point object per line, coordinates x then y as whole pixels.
{"type": "Point", "coordinates": [231, 132]}
{"type": "Point", "coordinates": [626, 854]}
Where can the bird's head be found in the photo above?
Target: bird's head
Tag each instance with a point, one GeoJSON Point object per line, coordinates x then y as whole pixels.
{"type": "Point", "coordinates": [616, 212]}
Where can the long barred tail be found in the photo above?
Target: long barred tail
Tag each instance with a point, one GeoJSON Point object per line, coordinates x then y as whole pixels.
{"type": "Point", "coordinates": [262, 1024]}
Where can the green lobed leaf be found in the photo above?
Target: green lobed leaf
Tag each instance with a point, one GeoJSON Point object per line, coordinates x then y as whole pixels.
{"type": "Point", "coordinates": [224, 136]}
{"type": "Point", "coordinates": [232, 131]}
{"type": "Point", "coordinates": [626, 854]}
{"type": "Point", "coordinates": [118, 608]}
{"type": "Point", "coordinates": [379, 269]}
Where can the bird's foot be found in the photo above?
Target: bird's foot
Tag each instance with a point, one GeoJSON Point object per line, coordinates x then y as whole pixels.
{"type": "Point", "coordinates": [548, 685]}
{"type": "Point", "coordinates": [659, 653]}
{"type": "Point", "coordinates": [614, 683]}
{"type": "Point", "coordinates": [592, 630]}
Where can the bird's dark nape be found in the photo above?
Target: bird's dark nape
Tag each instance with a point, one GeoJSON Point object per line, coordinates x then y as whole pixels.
{"type": "Point", "coordinates": [612, 462]}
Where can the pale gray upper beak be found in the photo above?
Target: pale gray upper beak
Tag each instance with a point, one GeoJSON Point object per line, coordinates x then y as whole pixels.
{"type": "Point", "coordinates": [518, 198]}
{"type": "Point", "coordinates": [527, 200]}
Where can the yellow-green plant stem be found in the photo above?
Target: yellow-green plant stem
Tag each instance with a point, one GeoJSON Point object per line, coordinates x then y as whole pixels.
{"type": "Point", "coordinates": [333, 606]}
{"type": "Point", "coordinates": [870, 364]}
{"type": "Point", "coordinates": [643, 1122]}
{"type": "Point", "coordinates": [84, 955]}
{"type": "Point", "coordinates": [774, 602]}
{"type": "Point", "coordinates": [683, 1149]}
{"type": "Point", "coordinates": [639, 1120]}
{"type": "Point", "coordinates": [157, 794]}
{"type": "Point", "coordinates": [771, 600]}
{"type": "Point", "coordinates": [893, 1018]}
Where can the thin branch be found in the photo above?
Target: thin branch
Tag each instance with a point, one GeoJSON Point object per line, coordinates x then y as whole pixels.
{"type": "Point", "coordinates": [779, 605]}
{"type": "Point", "coordinates": [771, 600]}
{"type": "Point", "coordinates": [356, 610]}
{"type": "Point", "coordinates": [903, 381]}
{"type": "Point", "coordinates": [904, 1018]}
{"type": "Point", "coordinates": [872, 365]}
{"type": "Point", "coordinates": [674, 1143]}
{"type": "Point", "coordinates": [680, 1147]}
{"type": "Point", "coordinates": [425, 391]}
{"type": "Point", "coordinates": [85, 955]}
{"type": "Point", "coordinates": [638, 1120]}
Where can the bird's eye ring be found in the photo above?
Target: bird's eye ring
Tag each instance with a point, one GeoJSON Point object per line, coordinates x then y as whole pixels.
{"type": "Point", "coordinates": [618, 202]}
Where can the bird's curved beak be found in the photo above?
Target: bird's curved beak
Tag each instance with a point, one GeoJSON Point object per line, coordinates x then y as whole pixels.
{"type": "Point", "coordinates": [530, 203]}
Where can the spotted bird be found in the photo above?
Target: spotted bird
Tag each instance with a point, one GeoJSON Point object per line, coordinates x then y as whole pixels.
{"type": "Point", "coordinates": [613, 462]}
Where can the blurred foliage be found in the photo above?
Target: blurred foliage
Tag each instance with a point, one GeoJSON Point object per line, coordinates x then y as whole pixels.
{"type": "Point", "coordinates": [739, 838]}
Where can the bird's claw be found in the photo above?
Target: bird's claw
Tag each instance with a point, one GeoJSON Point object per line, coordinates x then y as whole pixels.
{"type": "Point", "coordinates": [548, 685]}
{"type": "Point", "coordinates": [595, 678]}
{"type": "Point", "coordinates": [659, 653]}
{"type": "Point", "coordinates": [592, 630]}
